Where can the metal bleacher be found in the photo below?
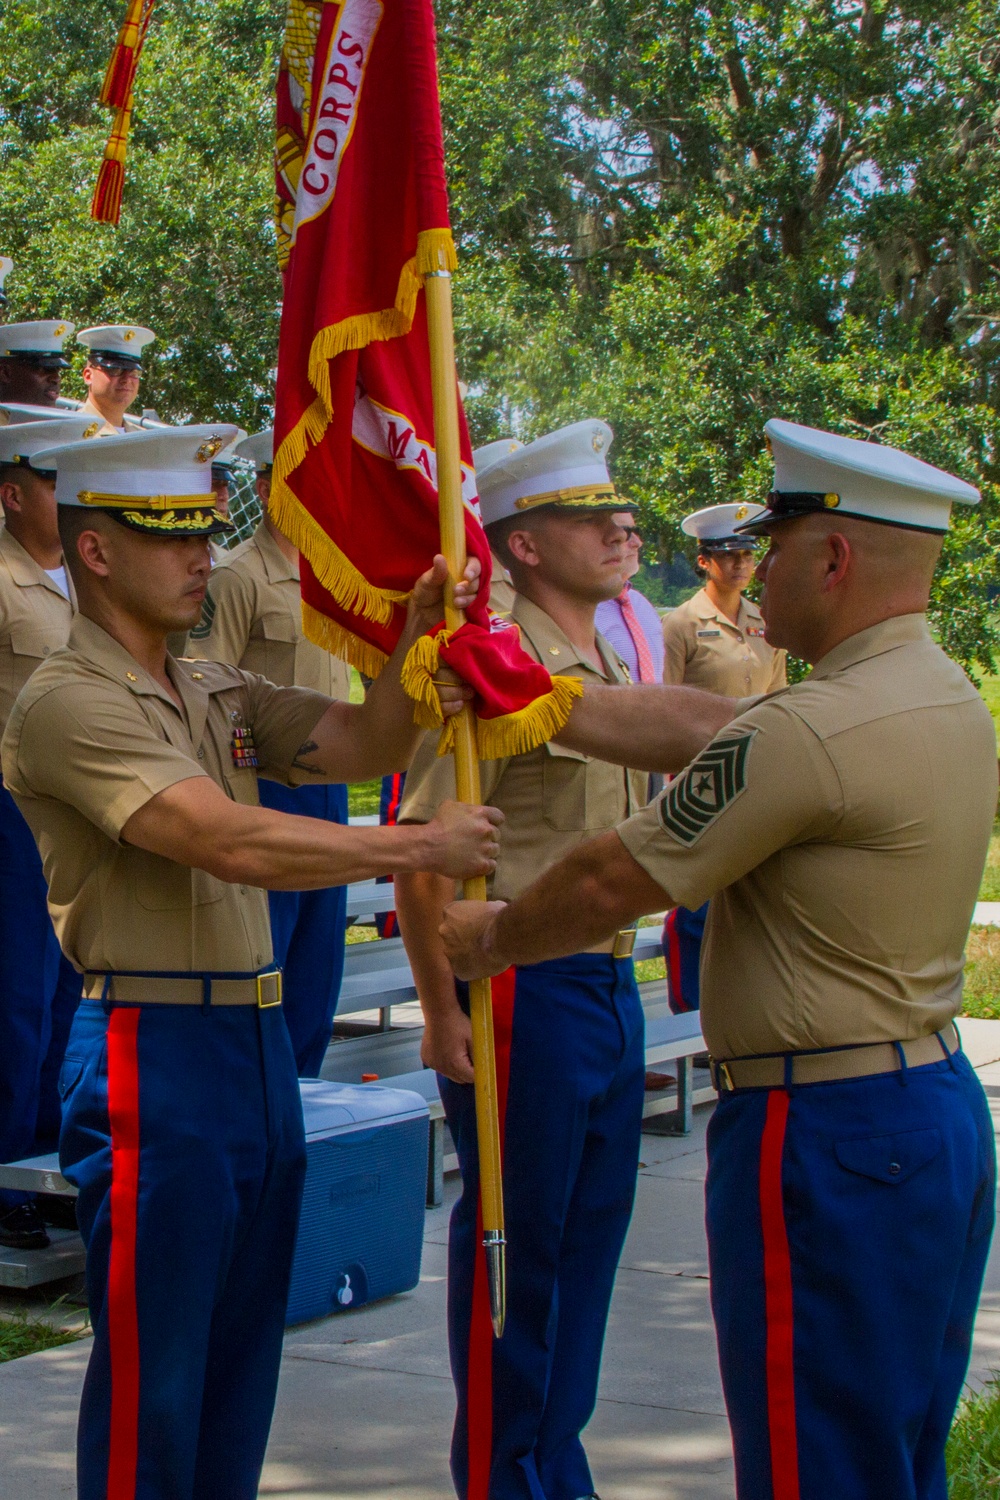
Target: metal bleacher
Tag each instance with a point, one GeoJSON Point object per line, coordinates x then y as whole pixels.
{"type": "Point", "coordinates": [368, 1046]}
{"type": "Point", "coordinates": [377, 977]}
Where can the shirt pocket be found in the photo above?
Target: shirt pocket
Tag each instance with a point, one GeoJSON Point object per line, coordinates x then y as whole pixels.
{"type": "Point", "coordinates": [279, 635]}
{"type": "Point", "coordinates": [162, 885]}
{"type": "Point", "coordinates": [34, 643]}
{"type": "Point", "coordinates": [580, 795]}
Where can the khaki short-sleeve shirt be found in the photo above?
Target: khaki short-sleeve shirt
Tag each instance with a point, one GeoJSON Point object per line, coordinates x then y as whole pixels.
{"type": "Point", "coordinates": [91, 739]}
{"type": "Point", "coordinates": [35, 617]}
{"type": "Point", "coordinates": [840, 828]}
{"type": "Point", "coordinates": [252, 618]}
{"type": "Point", "coordinates": [704, 649]}
{"type": "Point", "coordinates": [553, 799]}
{"type": "Point", "coordinates": [107, 429]}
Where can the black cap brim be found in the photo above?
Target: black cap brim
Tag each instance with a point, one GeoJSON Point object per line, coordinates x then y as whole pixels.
{"type": "Point", "coordinates": [38, 359]}
{"type": "Point", "coordinates": [113, 361]}
{"type": "Point", "coordinates": [739, 543]}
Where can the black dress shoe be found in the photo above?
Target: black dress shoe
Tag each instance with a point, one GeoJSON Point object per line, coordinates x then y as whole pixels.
{"type": "Point", "coordinates": [22, 1228]}
{"type": "Point", "coordinates": [57, 1210]}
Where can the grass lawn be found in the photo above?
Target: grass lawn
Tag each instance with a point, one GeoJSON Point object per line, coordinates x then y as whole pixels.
{"type": "Point", "coordinates": [982, 975]}
{"type": "Point", "coordinates": [990, 690]}
{"type": "Point", "coordinates": [362, 800]}
{"type": "Point", "coordinates": [974, 1447]}
{"type": "Point", "coordinates": [21, 1334]}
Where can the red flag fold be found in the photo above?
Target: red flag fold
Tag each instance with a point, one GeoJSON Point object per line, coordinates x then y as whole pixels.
{"type": "Point", "coordinates": [362, 216]}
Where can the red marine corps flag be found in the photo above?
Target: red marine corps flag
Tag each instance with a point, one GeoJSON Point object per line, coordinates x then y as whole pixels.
{"type": "Point", "coordinates": [362, 216]}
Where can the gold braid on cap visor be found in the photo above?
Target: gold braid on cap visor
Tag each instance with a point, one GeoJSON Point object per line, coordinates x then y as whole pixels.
{"type": "Point", "coordinates": [195, 520]}
{"type": "Point", "coordinates": [148, 502]}
{"type": "Point", "coordinates": [604, 496]}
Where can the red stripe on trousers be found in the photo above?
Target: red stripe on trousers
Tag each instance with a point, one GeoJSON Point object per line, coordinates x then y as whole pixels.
{"type": "Point", "coordinates": [778, 1305]}
{"type": "Point", "coordinates": [391, 814]}
{"type": "Point", "coordinates": [392, 811]}
{"type": "Point", "coordinates": [479, 1404]}
{"type": "Point", "coordinates": [674, 959]}
{"type": "Point", "coordinates": [123, 1320]}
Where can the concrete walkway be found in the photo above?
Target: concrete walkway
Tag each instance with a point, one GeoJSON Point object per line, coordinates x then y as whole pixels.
{"type": "Point", "coordinates": [365, 1402]}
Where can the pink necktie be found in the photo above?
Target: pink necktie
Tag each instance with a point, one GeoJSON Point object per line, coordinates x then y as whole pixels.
{"type": "Point", "coordinates": [647, 672]}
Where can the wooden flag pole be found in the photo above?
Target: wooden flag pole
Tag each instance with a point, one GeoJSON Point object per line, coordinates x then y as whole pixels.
{"type": "Point", "coordinates": [444, 383]}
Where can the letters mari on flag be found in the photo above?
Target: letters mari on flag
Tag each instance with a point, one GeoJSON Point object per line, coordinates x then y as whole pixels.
{"type": "Point", "coordinates": [362, 216]}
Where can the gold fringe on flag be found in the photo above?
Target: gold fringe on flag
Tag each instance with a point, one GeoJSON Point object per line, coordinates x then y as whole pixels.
{"type": "Point", "coordinates": [338, 575]}
{"type": "Point", "coordinates": [527, 728]}
{"type": "Point", "coordinates": [417, 679]}
{"type": "Point", "coordinates": [508, 734]}
{"type": "Point", "coordinates": [335, 571]}
{"type": "Point", "coordinates": [339, 641]}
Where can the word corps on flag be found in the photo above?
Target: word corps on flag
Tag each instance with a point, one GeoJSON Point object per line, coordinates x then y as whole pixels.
{"type": "Point", "coordinates": [362, 217]}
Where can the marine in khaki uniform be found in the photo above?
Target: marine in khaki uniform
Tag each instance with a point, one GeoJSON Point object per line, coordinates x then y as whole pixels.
{"type": "Point", "coordinates": [840, 828]}
{"type": "Point", "coordinates": [182, 1126]}
{"type": "Point", "coordinates": [112, 373]}
{"type": "Point", "coordinates": [714, 641]}
{"type": "Point", "coordinates": [32, 361]}
{"type": "Point", "coordinates": [570, 1057]}
{"type": "Point", "coordinates": [252, 618]}
{"type": "Point", "coordinates": [39, 989]}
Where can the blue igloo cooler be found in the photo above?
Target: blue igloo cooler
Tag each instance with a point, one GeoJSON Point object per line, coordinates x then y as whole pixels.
{"type": "Point", "coordinates": [362, 1224]}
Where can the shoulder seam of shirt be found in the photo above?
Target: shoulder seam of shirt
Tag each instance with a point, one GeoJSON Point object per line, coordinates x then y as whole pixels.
{"type": "Point", "coordinates": [776, 703]}
{"type": "Point", "coordinates": [48, 692]}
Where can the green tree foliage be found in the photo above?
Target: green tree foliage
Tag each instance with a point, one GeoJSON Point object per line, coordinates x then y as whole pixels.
{"type": "Point", "coordinates": [684, 217]}
{"type": "Point", "coordinates": [193, 257]}
{"type": "Point", "coordinates": [691, 217]}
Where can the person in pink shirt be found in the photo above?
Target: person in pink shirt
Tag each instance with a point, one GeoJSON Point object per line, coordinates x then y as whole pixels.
{"type": "Point", "coordinates": [630, 623]}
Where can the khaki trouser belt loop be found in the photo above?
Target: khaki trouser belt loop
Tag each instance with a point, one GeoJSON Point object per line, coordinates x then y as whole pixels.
{"type": "Point", "coordinates": [833, 1064]}
{"type": "Point", "coordinates": [261, 990]}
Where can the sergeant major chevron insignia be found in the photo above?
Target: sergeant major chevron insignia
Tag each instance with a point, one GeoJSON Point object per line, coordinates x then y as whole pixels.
{"type": "Point", "coordinates": [710, 783]}
{"type": "Point", "coordinates": [203, 629]}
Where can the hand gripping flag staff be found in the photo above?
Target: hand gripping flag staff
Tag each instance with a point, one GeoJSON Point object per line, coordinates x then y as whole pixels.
{"type": "Point", "coordinates": [373, 466]}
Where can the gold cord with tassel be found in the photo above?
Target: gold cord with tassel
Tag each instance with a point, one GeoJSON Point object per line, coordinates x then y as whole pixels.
{"type": "Point", "coordinates": [116, 91]}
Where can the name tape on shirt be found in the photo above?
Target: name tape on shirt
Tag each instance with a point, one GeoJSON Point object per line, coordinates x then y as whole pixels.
{"type": "Point", "coordinates": [713, 781]}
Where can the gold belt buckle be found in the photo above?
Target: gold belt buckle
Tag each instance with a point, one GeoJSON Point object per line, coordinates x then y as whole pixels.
{"type": "Point", "coordinates": [721, 1077]}
{"type": "Point", "coordinates": [624, 943]}
{"type": "Point", "coordinates": [263, 1004]}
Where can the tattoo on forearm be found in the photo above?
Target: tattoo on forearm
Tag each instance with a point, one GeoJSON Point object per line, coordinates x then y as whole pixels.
{"type": "Point", "coordinates": [301, 763]}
